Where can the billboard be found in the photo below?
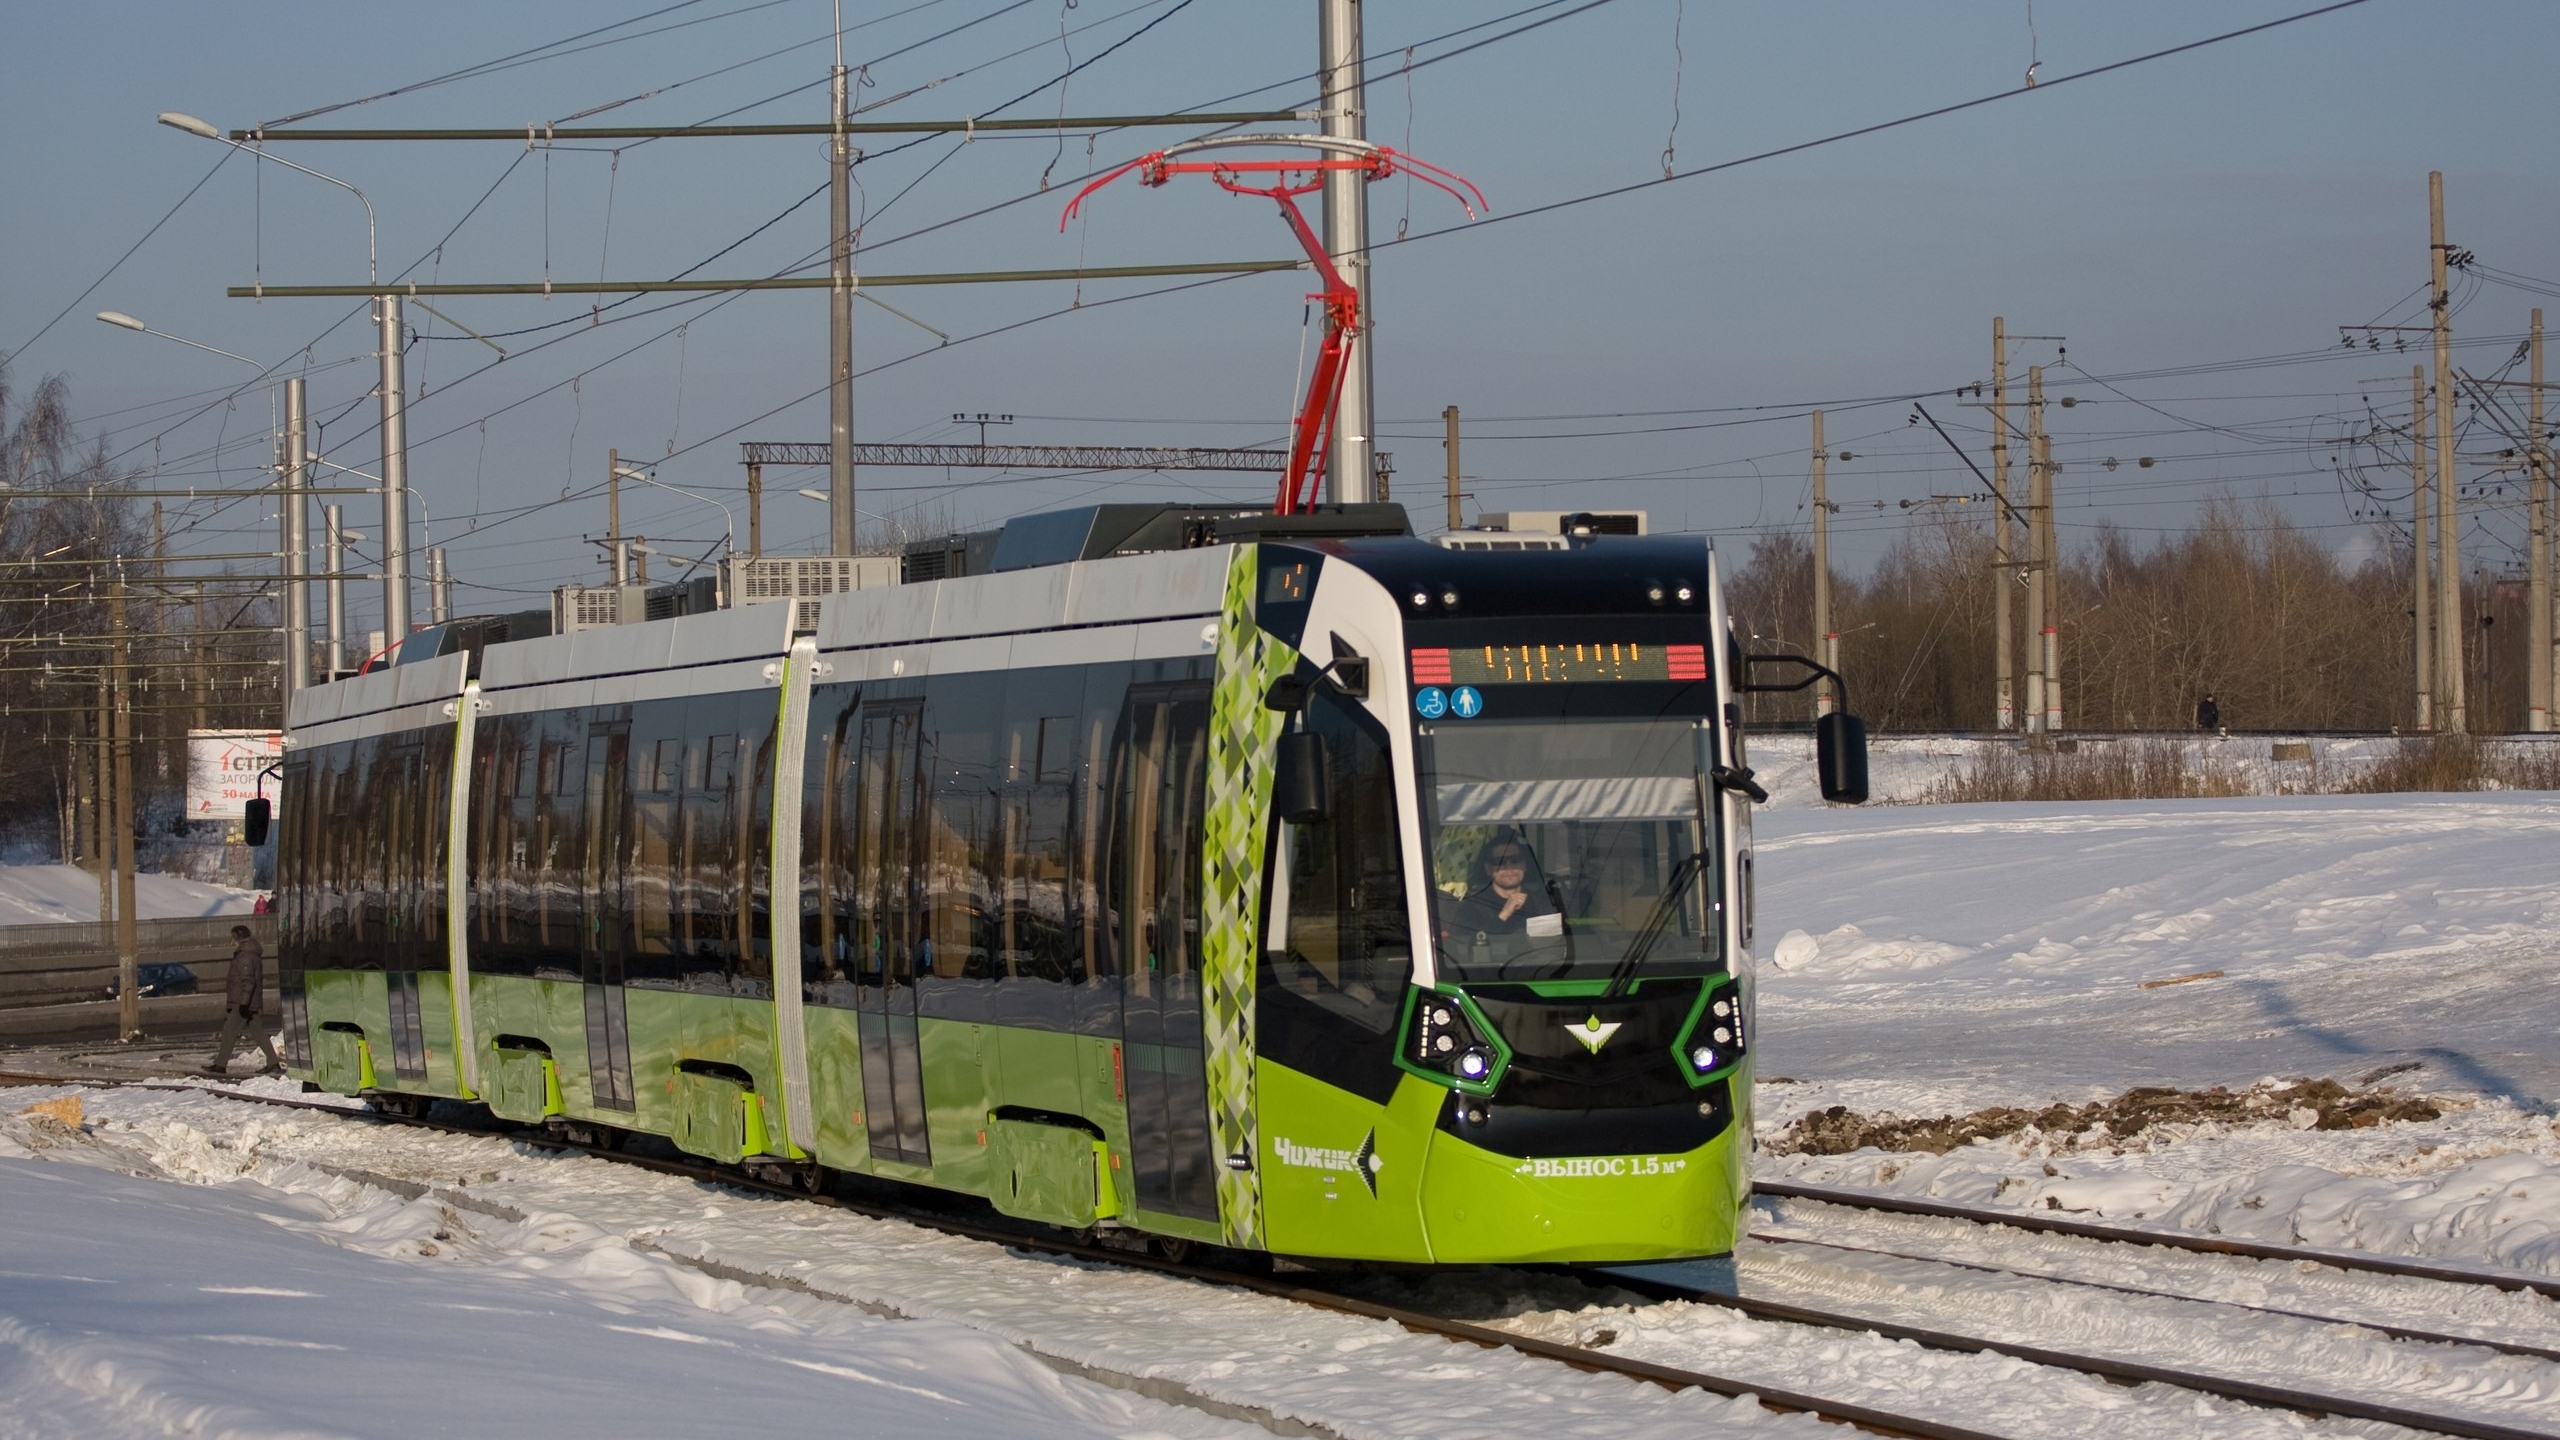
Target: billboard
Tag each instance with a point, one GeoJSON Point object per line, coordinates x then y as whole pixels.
{"type": "Point", "coordinates": [223, 767]}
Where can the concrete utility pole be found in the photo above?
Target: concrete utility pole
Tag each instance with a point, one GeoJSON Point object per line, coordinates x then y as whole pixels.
{"type": "Point", "coordinates": [2049, 550]}
{"type": "Point", "coordinates": [2421, 591]}
{"type": "Point", "coordinates": [617, 549]}
{"type": "Point", "coordinates": [2036, 558]}
{"type": "Point", "coordinates": [755, 511]}
{"type": "Point", "coordinates": [395, 475]}
{"type": "Point", "coordinates": [2454, 714]}
{"type": "Point", "coordinates": [1344, 115]}
{"type": "Point", "coordinates": [1450, 418]}
{"type": "Point", "coordinates": [294, 534]}
{"type": "Point", "coordinates": [840, 512]}
{"type": "Point", "coordinates": [2538, 628]}
{"type": "Point", "coordinates": [1827, 635]}
{"type": "Point", "coordinates": [128, 937]}
{"type": "Point", "coordinates": [2003, 645]}
{"type": "Point", "coordinates": [333, 520]}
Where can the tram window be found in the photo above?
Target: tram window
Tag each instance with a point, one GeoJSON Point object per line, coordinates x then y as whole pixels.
{"type": "Point", "coordinates": [892, 779]}
{"type": "Point", "coordinates": [826, 848]}
{"type": "Point", "coordinates": [1347, 946]}
{"type": "Point", "coordinates": [962, 715]}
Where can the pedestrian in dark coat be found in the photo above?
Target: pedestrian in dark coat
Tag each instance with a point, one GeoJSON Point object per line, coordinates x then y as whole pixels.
{"type": "Point", "coordinates": [2208, 714]}
{"type": "Point", "coordinates": [242, 995]}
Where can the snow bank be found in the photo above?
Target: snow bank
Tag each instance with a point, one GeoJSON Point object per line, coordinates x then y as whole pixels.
{"type": "Point", "coordinates": [56, 894]}
{"type": "Point", "coordinates": [1944, 958]}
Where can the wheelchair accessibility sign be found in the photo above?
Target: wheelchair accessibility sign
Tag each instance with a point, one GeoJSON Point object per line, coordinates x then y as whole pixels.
{"type": "Point", "coordinates": [1433, 703]}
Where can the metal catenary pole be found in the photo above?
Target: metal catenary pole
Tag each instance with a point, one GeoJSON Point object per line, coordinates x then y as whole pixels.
{"type": "Point", "coordinates": [439, 586]}
{"type": "Point", "coordinates": [2049, 550]}
{"type": "Point", "coordinates": [1349, 472]}
{"type": "Point", "coordinates": [840, 495]}
{"type": "Point", "coordinates": [2421, 564]}
{"type": "Point", "coordinates": [295, 537]}
{"type": "Point", "coordinates": [333, 519]}
{"type": "Point", "coordinates": [1826, 634]}
{"type": "Point", "coordinates": [395, 476]}
{"type": "Point", "coordinates": [617, 546]}
{"type": "Point", "coordinates": [2035, 549]}
{"type": "Point", "coordinates": [2538, 620]}
{"type": "Point", "coordinates": [2452, 712]}
{"type": "Point", "coordinates": [2003, 643]}
{"type": "Point", "coordinates": [1449, 417]}
{"type": "Point", "coordinates": [128, 935]}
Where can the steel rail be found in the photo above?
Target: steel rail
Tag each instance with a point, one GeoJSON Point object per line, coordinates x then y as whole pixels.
{"type": "Point", "coordinates": [2127, 1372]}
{"type": "Point", "coordinates": [2396, 1332]}
{"type": "Point", "coordinates": [2201, 1244]}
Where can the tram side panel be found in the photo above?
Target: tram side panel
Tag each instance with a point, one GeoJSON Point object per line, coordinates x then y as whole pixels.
{"type": "Point", "coordinates": [619, 947]}
{"type": "Point", "coordinates": [361, 960]}
{"type": "Point", "coordinates": [1000, 925]}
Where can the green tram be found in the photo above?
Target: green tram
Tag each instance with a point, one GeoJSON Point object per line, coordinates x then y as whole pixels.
{"type": "Point", "coordinates": [1289, 884]}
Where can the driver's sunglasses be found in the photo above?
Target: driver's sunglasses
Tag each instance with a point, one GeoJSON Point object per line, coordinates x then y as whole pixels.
{"type": "Point", "coordinates": [1509, 857]}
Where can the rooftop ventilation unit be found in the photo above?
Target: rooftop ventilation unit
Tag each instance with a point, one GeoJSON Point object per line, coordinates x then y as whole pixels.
{"type": "Point", "coordinates": [803, 580]}
{"type": "Point", "coordinates": [1563, 522]}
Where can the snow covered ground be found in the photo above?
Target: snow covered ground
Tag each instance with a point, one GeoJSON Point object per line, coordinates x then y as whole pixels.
{"type": "Point", "coordinates": [296, 1282]}
{"type": "Point", "coordinates": [54, 894]}
{"type": "Point", "coordinates": [182, 1264]}
{"type": "Point", "coordinates": [1935, 960]}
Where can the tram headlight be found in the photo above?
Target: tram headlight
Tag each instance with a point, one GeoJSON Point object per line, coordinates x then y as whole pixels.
{"type": "Point", "coordinates": [1713, 1041]}
{"type": "Point", "coordinates": [1445, 1041]}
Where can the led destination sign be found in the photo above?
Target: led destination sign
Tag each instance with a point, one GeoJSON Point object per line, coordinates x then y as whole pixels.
{"type": "Point", "coordinates": [1570, 662]}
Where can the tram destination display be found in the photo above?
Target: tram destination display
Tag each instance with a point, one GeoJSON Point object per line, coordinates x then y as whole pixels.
{"type": "Point", "coordinates": [1570, 662]}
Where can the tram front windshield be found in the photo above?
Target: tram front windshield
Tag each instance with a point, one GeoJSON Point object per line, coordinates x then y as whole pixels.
{"type": "Point", "coordinates": [1557, 844]}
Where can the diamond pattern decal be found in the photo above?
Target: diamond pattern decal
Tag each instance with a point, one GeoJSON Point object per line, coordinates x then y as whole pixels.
{"type": "Point", "coordinates": [1242, 734]}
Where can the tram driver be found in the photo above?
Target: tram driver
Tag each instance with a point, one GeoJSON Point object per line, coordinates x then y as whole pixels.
{"type": "Point", "coordinates": [1508, 893]}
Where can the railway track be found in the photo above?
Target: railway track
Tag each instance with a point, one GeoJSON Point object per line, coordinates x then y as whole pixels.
{"type": "Point", "coordinates": [1867, 1418]}
{"type": "Point", "coordinates": [2349, 1260]}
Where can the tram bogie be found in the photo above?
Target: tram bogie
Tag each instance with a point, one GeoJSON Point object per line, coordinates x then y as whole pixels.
{"type": "Point", "coordinates": [1340, 897]}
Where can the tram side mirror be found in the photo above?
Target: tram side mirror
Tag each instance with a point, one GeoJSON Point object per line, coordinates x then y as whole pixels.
{"type": "Point", "coordinates": [255, 817]}
{"type": "Point", "coordinates": [1298, 784]}
{"type": "Point", "coordinates": [1840, 757]}
{"type": "Point", "coordinates": [1288, 694]}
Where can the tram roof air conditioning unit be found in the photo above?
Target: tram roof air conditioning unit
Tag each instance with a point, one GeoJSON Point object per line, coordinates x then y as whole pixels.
{"type": "Point", "coordinates": [803, 580]}
{"type": "Point", "coordinates": [1564, 522]}
{"type": "Point", "coordinates": [590, 607]}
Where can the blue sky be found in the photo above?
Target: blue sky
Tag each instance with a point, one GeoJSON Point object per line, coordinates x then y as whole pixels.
{"type": "Point", "coordinates": [1656, 349]}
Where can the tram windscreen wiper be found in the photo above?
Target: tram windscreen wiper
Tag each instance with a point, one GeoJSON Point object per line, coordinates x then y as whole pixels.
{"type": "Point", "coordinates": [1683, 875]}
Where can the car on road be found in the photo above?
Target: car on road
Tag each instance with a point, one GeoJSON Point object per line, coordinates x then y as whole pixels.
{"type": "Point", "coordinates": [159, 978]}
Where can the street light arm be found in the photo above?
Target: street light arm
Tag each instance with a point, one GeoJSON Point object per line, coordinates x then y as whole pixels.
{"type": "Point", "coordinates": [123, 321]}
{"type": "Point", "coordinates": [193, 126]}
{"type": "Point", "coordinates": [729, 539]}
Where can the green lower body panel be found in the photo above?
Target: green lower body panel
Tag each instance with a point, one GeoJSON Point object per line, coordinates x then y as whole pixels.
{"type": "Point", "coordinates": [405, 1021]}
{"type": "Point", "coordinates": [1345, 1177]}
{"type": "Point", "coordinates": [341, 1058]}
{"type": "Point", "coordinates": [719, 1117]}
{"type": "Point", "coordinates": [1050, 1173]}
{"type": "Point", "coordinates": [520, 1084]}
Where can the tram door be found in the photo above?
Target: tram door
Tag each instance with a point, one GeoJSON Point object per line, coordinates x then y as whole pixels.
{"type": "Point", "coordinates": [404, 816]}
{"type": "Point", "coordinates": [1159, 774]}
{"type": "Point", "coordinates": [604, 931]}
{"type": "Point", "coordinates": [891, 807]}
